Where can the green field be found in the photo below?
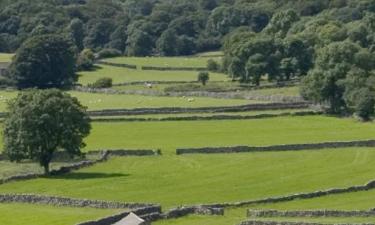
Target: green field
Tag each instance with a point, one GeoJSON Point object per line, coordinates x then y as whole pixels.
{"type": "Point", "coordinates": [256, 132]}
{"type": "Point", "coordinates": [235, 216]}
{"type": "Point", "coordinates": [362, 200]}
{"type": "Point", "coordinates": [101, 101]}
{"type": "Point", "coordinates": [163, 61]}
{"type": "Point", "coordinates": [21, 214]}
{"type": "Point", "coordinates": [5, 57]}
{"type": "Point", "coordinates": [185, 180]}
{"type": "Point", "coordinates": [123, 75]}
{"type": "Point", "coordinates": [284, 91]}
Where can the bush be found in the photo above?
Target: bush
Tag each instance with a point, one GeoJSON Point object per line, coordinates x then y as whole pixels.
{"type": "Point", "coordinates": [213, 66]}
{"type": "Point", "coordinates": [104, 82]}
{"type": "Point", "coordinates": [203, 77]}
{"type": "Point", "coordinates": [108, 53]}
{"type": "Point", "coordinates": [85, 60]}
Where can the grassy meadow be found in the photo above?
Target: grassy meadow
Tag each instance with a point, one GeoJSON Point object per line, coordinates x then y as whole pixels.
{"type": "Point", "coordinates": [99, 101]}
{"type": "Point", "coordinates": [5, 57]}
{"type": "Point", "coordinates": [123, 75]}
{"type": "Point", "coordinates": [163, 61]}
{"type": "Point", "coordinates": [21, 214]}
{"type": "Point", "coordinates": [172, 180]}
{"type": "Point", "coordinates": [255, 132]}
{"type": "Point", "coordinates": [185, 180]}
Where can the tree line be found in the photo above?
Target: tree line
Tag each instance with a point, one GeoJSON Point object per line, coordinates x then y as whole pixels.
{"type": "Point", "coordinates": [165, 27]}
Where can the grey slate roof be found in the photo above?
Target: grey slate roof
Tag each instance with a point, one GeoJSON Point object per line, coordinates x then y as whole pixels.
{"type": "Point", "coordinates": [131, 219]}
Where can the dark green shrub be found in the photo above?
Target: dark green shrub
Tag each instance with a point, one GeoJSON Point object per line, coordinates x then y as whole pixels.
{"type": "Point", "coordinates": [104, 82]}
{"type": "Point", "coordinates": [203, 77]}
{"type": "Point", "coordinates": [212, 65]}
{"type": "Point", "coordinates": [108, 53]}
{"type": "Point", "coordinates": [86, 60]}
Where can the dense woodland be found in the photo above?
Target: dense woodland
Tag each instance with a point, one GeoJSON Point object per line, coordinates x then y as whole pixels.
{"type": "Point", "coordinates": [330, 44]}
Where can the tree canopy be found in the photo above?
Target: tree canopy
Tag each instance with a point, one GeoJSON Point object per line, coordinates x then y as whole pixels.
{"type": "Point", "coordinates": [44, 62]}
{"type": "Point", "coordinates": [134, 27]}
{"type": "Point", "coordinates": [41, 122]}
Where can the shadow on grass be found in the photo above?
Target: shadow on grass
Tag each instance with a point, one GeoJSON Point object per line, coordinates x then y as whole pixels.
{"type": "Point", "coordinates": [85, 176]}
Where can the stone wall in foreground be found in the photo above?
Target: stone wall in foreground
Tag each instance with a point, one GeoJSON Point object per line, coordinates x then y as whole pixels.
{"type": "Point", "coordinates": [71, 202]}
{"type": "Point", "coordinates": [310, 213]}
{"type": "Point", "coordinates": [255, 222]}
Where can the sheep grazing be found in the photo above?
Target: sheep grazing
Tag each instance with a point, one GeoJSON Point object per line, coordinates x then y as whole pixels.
{"type": "Point", "coordinates": [191, 100]}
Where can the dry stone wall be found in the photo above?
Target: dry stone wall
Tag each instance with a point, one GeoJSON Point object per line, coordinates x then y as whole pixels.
{"type": "Point", "coordinates": [369, 186]}
{"type": "Point", "coordinates": [60, 171]}
{"type": "Point", "coordinates": [129, 66]}
{"type": "Point", "coordinates": [311, 213]}
{"type": "Point", "coordinates": [188, 210]}
{"type": "Point", "coordinates": [173, 110]}
{"type": "Point", "coordinates": [71, 202]}
{"type": "Point", "coordinates": [256, 222]}
{"type": "Point", "coordinates": [214, 117]}
{"type": "Point", "coordinates": [123, 152]}
{"type": "Point", "coordinates": [167, 68]}
{"type": "Point", "coordinates": [292, 147]}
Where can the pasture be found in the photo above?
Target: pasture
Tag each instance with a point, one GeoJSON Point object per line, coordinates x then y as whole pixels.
{"type": "Point", "coordinates": [20, 214]}
{"type": "Point", "coordinates": [186, 180]}
{"type": "Point", "coordinates": [172, 180]}
{"type": "Point", "coordinates": [163, 61]}
{"type": "Point", "coordinates": [99, 101]}
{"type": "Point", "coordinates": [5, 57]}
{"type": "Point", "coordinates": [121, 75]}
{"type": "Point", "coordinates": [255, 132]}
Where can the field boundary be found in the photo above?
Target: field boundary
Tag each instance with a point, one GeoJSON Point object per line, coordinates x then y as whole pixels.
{"type": "Point", "coordinates": [125, 152]}
{"type": "Point", "coordinates": [175, 110]}
{"type": "Point", "coordinates": [104, 156]}
{"type": "Point", "coordinates": [72, 202]}
{"type": "Point", "coordinates": [203, 118]}
{"type": "Point", "coordinates": [167, 68]}
{"type": "Point", "coordinates": [308, 195]}
{"type": "Point", "coordinates": [258, 222]}
{"type": "Point", "coordinates": [124, 65]}
{"type": "Point", "coordinates": [62, 170]}
{"type": "Point", "coordinates": [309, 213]}
{"type": "Point", "coordinates": [286, 147]}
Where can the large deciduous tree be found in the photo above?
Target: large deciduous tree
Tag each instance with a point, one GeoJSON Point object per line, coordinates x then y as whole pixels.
{"type": "Point", "coordinates": [340, 78]}
{"type": "Point", "coordinates": [45, 61]}
{"type": "Point", "coordinates": [41, 122]}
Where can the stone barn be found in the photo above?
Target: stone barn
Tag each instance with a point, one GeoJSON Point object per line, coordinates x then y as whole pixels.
{"type": "Point", "coordinates": [132, 219]}
{"type": "Point", "coordinates": [3, 68]}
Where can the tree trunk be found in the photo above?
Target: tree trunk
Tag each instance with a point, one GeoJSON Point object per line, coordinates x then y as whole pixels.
{"type": "Point", "coordinates": [46, 168]}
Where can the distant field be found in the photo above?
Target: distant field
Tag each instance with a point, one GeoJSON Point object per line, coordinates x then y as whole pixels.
{"type": "Point", "coordinates": [285, 91]}
{"type": "Point", "coordinates": [186, 180]}
{"type": "Point", "coordinates": [210, 54]}
{"type": "Point", "coordinates": [21, 214]}
{"type": "Point", "coordinates": [124, 75]}
{"type": "Point", "coordinates": [5, 57]}
{"type": "Point", "coordinates": [163, 61]}
{"type": "Point", "coordinates": [257, 132]}
{"type": "Point", "coordinates": [107, 101]}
